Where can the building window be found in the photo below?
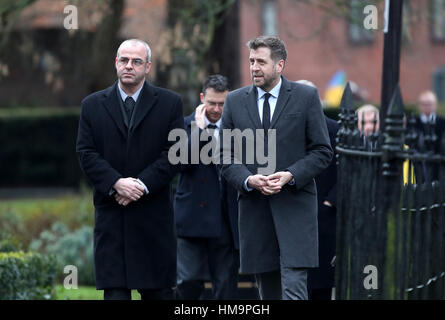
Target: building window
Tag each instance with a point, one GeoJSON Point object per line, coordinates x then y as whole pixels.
{"type": "Point", "coordinates": [438, 20]}
{"type": "Point", "coordinates": [269, 18]}
{"type": "Point", "coordinates": [439, 83]}
{"type": "Point", "coordinates": [356, 31]}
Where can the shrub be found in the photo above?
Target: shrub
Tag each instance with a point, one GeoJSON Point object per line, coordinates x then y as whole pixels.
{"type": "Point", "coordinates": [8, 245]}
{"type": "Point", "coordinates": [70, 248]}
{"type": "Point", "coordinates": [24, 220]}
{"type": "Point", "coordinates": [26, 276]}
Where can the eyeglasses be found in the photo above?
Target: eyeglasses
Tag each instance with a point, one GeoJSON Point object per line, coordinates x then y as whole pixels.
{"type": "Point", "coordinates": [215, 104]}
{"type": "Point", "coordinates": [123, 61]}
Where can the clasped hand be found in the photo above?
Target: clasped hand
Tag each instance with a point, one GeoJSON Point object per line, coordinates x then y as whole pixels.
{"type": "Point", "coordinates": [128, 190]}
{"type": "Point", "coordinates": [271, 184]}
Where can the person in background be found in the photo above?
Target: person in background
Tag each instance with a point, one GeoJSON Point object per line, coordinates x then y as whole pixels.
{"type": "Point", "coordinates": [206, 210]}
{"type": "Point", "coordinates": [368, 123]}
{"type": "Point", "coordinates": [368, 119]}
{"type": "Point", "coordinates": [428, 122]}
{"type": "Point", "coordinates": [428, 125]}
{"type": "Point", "coordinates": [321, 279]}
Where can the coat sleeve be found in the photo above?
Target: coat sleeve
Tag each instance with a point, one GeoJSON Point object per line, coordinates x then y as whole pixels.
{"type": "Point", "coordinates": [318, 148]}
{"type": "Point", "coordinates": [235, 173]}
{"type": "Point", "coordinates": [101, 174]}
{"type": "Point", "coordinates": [159, 173]}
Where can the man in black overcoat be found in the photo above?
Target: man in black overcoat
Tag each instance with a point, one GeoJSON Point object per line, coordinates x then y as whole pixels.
{"type": "Point", "coordinates": [429, 124]}
{"type": "Point", "coordinates": [122, 147]}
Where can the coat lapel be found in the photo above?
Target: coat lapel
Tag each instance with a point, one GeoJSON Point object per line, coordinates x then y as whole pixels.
{"type": "Point", "coordinates": [149, 97]}
{"type": "Point", "coordinates": [283, 98]}
{"type": "Point", "coordinates": [252, 106]}
{"type": "Point", "coordinates": [112, 106]}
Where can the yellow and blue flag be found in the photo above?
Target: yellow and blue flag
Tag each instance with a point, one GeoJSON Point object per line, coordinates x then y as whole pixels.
{"type": "Point", "coordinates": [335, 88]}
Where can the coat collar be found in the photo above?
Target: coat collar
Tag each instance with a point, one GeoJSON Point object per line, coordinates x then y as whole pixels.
{"type": "Point", "coordinates": [148, 99]}
{"type": "Point", "coordinates": [252, 103]}
{"type": "Point", "coordinates": [252, 106]}
{"type": "Point", "coordinates": [111, 103]}
{"type": "Point", "coordinates": [283, 98]}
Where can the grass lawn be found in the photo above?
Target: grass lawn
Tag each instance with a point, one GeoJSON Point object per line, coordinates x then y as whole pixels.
{"type": "Point", "coordinates": [85, 293]}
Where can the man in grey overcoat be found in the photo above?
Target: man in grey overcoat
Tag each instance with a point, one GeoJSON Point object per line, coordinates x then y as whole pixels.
{"type": "Point", "coordinates": [277, 203]}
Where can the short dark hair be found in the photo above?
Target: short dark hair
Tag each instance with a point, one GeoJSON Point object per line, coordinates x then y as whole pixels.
{"type": "Point", "coordinates": [217, 82]}
{"type": "Point", "coordinates": [277, 48]}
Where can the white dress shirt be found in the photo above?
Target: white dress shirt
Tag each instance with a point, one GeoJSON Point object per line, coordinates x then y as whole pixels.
{"type": "Point", "coordinates": [217, 124]}
{"type": "Point", "coordinates": [135, 98]}
{"type": "Point", "coordinates": [428, 119]}
{"type": "Point", "coordinates": [274, 93]}
{"type": "Point", "coordinates": [124, 95]}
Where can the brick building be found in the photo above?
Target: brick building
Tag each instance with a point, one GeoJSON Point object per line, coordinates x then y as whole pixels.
{"type": "Point", "coordinates": [319, 43]}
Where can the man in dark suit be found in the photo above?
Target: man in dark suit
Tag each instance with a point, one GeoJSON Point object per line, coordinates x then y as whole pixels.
{"type": "Point", "coordinates": [428, 124]}
{"type": "Point", "coordinates": [277, 203]}
{"type": "Point", "coordinates": [205, 214]}
{"type": "Point", "coordinates": [123, 146]}
{"type": "Point", "coordinates": [368, 123]}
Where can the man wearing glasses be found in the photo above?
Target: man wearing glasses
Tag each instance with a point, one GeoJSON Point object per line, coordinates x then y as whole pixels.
{"type": "Point", "coordinates": [122, 147]}
{"type": "Point", "coordinates": [206, 208]}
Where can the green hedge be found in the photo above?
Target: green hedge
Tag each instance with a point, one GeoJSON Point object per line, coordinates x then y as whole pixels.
{"type": "Point", "coordinates": [27, 276]}
{"type": "Point", "coordinates": [38, 148]}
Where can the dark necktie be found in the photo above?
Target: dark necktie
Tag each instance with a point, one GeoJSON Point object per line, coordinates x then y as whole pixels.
{"type": "Point", "coordinates": [212, 126]}
{"type": "Point", "coordinates": [211, 130]}
{"type": "Point", "coordinates": [129, 106]}
{"type": "Point", "coordinates": [266, 112]}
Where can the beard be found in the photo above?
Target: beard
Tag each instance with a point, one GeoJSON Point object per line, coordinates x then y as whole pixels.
{"type": "Point", "coordinates": [213, 117]}
{"type": "Point", "coordinates": [267, 81]}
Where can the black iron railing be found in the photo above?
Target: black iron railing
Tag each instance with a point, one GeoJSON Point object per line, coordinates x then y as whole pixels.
{"type": "Point", "coordinates": [391, 207]}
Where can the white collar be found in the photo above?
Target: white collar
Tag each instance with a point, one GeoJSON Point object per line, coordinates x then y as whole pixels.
{"type": "Point", "coordinates": [124, 95]}
{"type": "Point", "coordinates": [217, 123]}
{"type": "Point", "coordinates": [274, 92]}
{"type": "Point", "coordinates": [426, 119]}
